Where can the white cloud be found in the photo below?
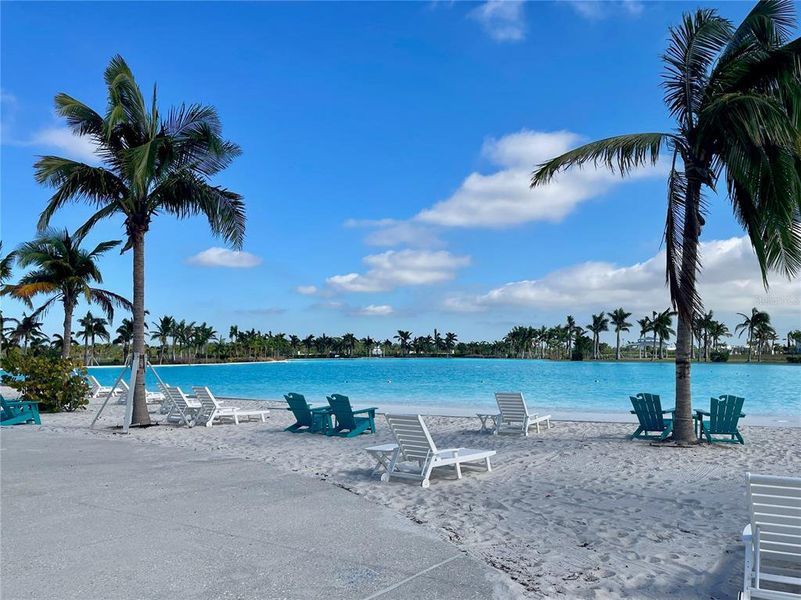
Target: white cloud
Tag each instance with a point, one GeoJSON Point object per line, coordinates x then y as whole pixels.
{"type": "Point", "coordinates": [73, 146]}
{"type": "Point", "coordinates": [223, 257]}
{"type": "Point", "coordinates": [394, 232]}
{"type": "Point", "coordinates": [502, 20]}
{"type": "Point", "coordinates": [503, 198]}
{"type": "Point", "coordinates": [306, 290]}
{"type": "Point", "coordinates": [730, 281]}
{"type": "Point", "coordinates": [375, 310]}
{"type": "Point", "coordinates": [397, 268]}
{"type": "Point", "coordinates": [598, 9]}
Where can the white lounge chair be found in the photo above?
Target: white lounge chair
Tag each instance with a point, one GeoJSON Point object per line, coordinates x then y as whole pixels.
{"type": "Point", "coordinates": [416, 446]}
{"type": "Point", "coordinates": [183, 410]}
{"type": "Point", "coordinates": [214, 411]}
{"type": "Point", "coordinates": [514, 414]}
{"type": "Point", "coordinates": [150, 396]}
{"type": "Point", "coordinates": [99, 391]}
{"type": "Point", "coordinates": [772, 538]}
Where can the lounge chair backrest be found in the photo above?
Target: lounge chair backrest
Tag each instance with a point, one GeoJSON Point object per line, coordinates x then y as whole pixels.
{"type": "Point", "coordinates": [343, 411]}
{"type": "Point", "coordinates": [724, 413]}
{"type": "Point", "coordinates": [177, 396]}
{"type": "Point", "coordinates": [207, 399]}
{"type": "Point", "coordinates": [413, 438]}
{"type": "Point", "coordinates": [300, 408]}
{"type": "Point", "coordinates": [649, 411]}
{"type": "Point", "coordinates": [512, 407]}
{"type": "Point", "coordinates": [774, 504]}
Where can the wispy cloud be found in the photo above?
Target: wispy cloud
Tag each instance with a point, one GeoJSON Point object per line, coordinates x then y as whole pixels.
{"type": "Point", "coordinates": [600, 9]}
{"type": "Point", "coordinates": [502, 20]}
{"type": "Point", "coordinates": [396, 232]}
{"type": "Point", "coordinates": [223, 257]}
{"type": "Point", "coordinates": [71, 145]}
{"type": "Point", "coordinates": [393, 269]}
{"type": "Point", "coordinates": [375, 310]}
{"type": "Point", "coordinates": [307, 290]}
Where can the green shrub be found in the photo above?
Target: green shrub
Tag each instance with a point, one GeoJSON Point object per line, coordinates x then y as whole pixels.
{"type": "Point", "coordinates": [794, 358]}
{"type": "Point", "coordinates": [56, 384]}
{"type": "Point", "coordinates": [719, 356]}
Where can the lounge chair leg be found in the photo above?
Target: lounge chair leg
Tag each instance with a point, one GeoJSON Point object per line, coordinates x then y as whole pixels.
{"type": "Point", "coordinates": [489, 466]}
{"type": "Point", "coordinates": [458, 471]}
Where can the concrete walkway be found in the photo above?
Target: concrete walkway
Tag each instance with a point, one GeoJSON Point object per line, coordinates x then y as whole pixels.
{"type": "Point", "coordinates": [93, 518]}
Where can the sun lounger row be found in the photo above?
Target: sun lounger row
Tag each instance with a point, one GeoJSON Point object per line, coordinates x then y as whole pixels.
{"type": "Point", "coordinates": [204, 408]}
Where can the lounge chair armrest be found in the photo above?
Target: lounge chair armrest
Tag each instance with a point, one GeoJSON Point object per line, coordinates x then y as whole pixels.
{"type": "Point", "coordinates": [364, 410]}
{"type": "Point", "coordinates": [747, 535]}
{"type": "Point", "coordinates": [701, 411]}
{"type": "Point", "coordinates": [455, 450]}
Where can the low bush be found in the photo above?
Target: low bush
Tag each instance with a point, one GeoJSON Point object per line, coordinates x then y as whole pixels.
{"type": "Point", "coordinates": [55, 383]}
{"type": "Point", "coordinates": [719, 356]}
{"type": "Point", "coordinates": [794, 358]}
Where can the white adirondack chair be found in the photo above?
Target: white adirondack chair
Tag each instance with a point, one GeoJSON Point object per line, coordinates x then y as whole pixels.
{"type": "Point", "coordinates": [214, 411]}
{"type": "Point", "coordinates": [773, 538]}
{"type": "Point", "coordinates": [514, 414]}
{"type": "Point", "coordinates": [183, 410]}
{"type": "Point", "coordinates": [415, 446]}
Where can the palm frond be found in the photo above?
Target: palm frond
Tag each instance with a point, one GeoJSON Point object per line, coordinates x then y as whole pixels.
{"type": "Point", "coordinates": [107, 301]}
{"type": "Point", "coordinates": [691, 51]}
{"type": "Point", "coordinates": [620, 154]}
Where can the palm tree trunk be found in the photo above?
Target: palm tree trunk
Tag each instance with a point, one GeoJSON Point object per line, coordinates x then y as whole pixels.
{"type": "Point", "coordinates": [617, 349]}
{"type": "Point", "coordinates": [683, 430]}
{"type": "Point", "coordinates": [66, 340]}
{"type": "Point", "coordinates": [140, 414]}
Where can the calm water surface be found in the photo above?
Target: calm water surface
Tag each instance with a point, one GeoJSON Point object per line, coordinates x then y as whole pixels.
{"type": "Point", "coordinates": [594, 387]}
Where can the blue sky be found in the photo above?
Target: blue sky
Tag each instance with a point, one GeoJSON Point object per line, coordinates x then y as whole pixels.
{"type": "Point", "coordinates": [386, 148]}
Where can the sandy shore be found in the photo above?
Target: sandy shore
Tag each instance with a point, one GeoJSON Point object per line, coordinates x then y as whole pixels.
{"type": "Point", "coordinates": [574, 512]}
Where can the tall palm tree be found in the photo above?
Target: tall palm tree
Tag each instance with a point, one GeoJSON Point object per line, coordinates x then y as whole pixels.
{"type": "Point", "coordinates": [27, 330]}
{"type": "Point", "coordinates": [294, 343]}
{"type": "Point", "coordinates": [92, 328]}
{"type": "Point", "coordinates": [662, 326]}
{"type": "Point", "coordinates": [151, 164]}
{"type": "Point", "coordinates": [718, 330]}
{"type": "Point", "coordinates": [570, 328]}
{"type": "Point", "coordinates": [645, 328]}
{"type": "Point", "coordinates": [65, 272]}
{"type": "Point", "coordinates": [308, 342]}
{"type": "Point", "coordinates": [735, 95]}
{"type": "Point", "coordinates": [164, 329]}
{"type": "Point", "coordinates": [124, 337]}
{"type": "Point", "coordinates": [705, 322]}
{"type": "Point", "coordinates": [403, 338]}
{"type": "Point", "coordinates": [599, 323]}
{"type": "Point", "coordinates": [751, 323]}
{"type": "Point", "coordinates": [349, 342]}
{"type": "Point", "coordinates": [6, 330]}
{"type": "Point", "coordinates": [618, 318]}
{"type": "Point", "coordinates": [450, 342]}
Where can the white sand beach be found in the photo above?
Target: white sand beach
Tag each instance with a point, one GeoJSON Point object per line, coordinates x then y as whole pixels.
{"type": "Point", "coordinates": [578, 511]}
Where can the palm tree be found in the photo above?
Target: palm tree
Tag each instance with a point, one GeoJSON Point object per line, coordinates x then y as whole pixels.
{"type": "Point", "coordinates": [65, 272]}
{"type": "Point", "coordinates": [164, 328]}
{"type": "Point", "coordinates": [570, 328]}
{"type": "Point", "coordinates": [308, 342]}
{"type": "Point", "coordinates": [599, 323]}
{"type": "Point", "coordinates": [751, 323]}
{"type": "Point", "coordinates": [294, 343]}
{"type": "Point", "coordinates": [718, 330]}
{"type": "Point", "coordinates": [5, 265]}
{"type": "Point", "coordinates": [403, 338]}
{"type": "Point", "coordinates": [450, 342]}
{"type": "Point", "coordinates": [151, 165]}
{"type": "Point", "coordinates": [124, 337]}
{"type": "Point", "coordinates": [618, 318]}
{"type": "Point", "coordinates": [93, 328]}
{"type": "Point", "coordinates": [6, 330]}
{"type": "Point", "coordinates": [662, 326]}
{"type": "Point", "coordinates": [645, 328]}
{"type": "Point", "coordinates": [27, 330]}
{"type": "Point", "coordinates": [704, 323]}
{"type": "Point", "coordinates": [349, 342]}
{"type": "Point", "coordinates": [736, 98]}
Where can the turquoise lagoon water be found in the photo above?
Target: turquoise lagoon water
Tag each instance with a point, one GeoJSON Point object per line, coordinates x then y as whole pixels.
{"type": "Point", "coordinates": [442, 383]}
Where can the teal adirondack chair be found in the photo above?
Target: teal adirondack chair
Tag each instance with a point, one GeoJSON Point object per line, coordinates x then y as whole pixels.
{"type": "Point", "coordinates": [648, 408]}
{"type": "Point", "coordinates": [724, 413]}
{"type": "Point", "coordinates": [14, 412]}
{"type": "Point", "coordinates": [348, 425]}
{"type": "Point", "coordinates": [304, 420]}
